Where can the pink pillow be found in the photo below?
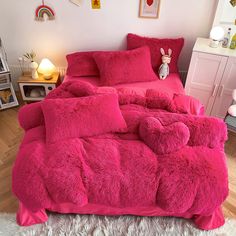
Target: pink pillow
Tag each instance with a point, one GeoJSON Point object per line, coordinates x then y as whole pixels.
{"type": "Point", "coordinates": [81, 64]}
{"type": "Point", "coordinates": [82, 117]}
{"type": "Point", "coordinates": [163, 139]}
{"type": "Point", "coordinates": [135, 41]}
{"type": "Point", "coordinates": [125, 66]}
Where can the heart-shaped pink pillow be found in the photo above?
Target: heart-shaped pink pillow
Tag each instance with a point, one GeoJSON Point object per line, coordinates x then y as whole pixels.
{"type": "Point", "coordinates": [163, 139]}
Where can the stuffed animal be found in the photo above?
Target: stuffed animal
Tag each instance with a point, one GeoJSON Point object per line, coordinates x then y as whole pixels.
{"type": "Point", "coordinates": [232, 108]}
{"type": "Point", "coordinates": [164, 68]}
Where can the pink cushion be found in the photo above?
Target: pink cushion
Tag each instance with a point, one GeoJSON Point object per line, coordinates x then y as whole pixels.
{"type": "Point", "coordinates": [163, 139]}
{"type": "Point", "coordinates": [135, 41]}
{"type": "Point", "coordinates": [125, 66]}
{"type": "Point", "coordinates": [187, 104]}
{"type": "Point", "coordinates": [82, 117]}
{"type": "Point", "coordinates": [81, 64]}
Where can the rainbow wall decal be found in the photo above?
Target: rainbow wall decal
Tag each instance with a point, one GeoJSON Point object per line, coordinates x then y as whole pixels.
{"type": "Point", "coordinates": [43, 9]}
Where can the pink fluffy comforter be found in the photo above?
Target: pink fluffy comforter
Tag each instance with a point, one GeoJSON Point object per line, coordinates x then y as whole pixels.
{"type": "Point", "coordinates": [166, 163]}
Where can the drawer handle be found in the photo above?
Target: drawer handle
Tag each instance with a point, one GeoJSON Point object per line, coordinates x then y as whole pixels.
{"type": "Point", "coordinates": [221, 90]}
{"type": "Point", "coordinates": [214, 90]}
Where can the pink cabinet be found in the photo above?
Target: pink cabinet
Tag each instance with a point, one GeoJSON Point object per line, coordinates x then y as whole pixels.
{"type": "Point", "coordinates": [212, 77]}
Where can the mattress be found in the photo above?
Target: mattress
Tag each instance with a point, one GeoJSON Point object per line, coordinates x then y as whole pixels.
{"type": "Point", "coordinates": [171, 85]}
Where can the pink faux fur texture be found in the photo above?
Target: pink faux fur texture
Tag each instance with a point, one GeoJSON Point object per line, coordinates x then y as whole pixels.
{"type": "Point", "coordinates": [163, 139]}
{"type": "Point", "coordinates": [119, 174]}
{"type": "Point", "coordinates": [82, 117]}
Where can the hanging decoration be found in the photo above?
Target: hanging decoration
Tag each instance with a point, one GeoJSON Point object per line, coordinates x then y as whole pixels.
{"type": "Point", "coordinates": [44, 10]}
{"type": "Point", "coordinates": [76, 2]}
{"type": "Point", "coordinates": [96, 4]}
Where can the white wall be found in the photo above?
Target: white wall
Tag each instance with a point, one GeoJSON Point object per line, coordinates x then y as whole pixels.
{"type": "Point", "coordinates": [218, 20]}
{"type": "Point", "coordinates": [81, 28]}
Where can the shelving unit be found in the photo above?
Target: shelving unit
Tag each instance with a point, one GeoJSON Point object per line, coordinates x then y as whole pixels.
{"type": "Point", "coordinates": [7, 94]}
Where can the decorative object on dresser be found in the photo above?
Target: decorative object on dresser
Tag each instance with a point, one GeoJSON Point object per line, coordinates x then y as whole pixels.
{"type": "Point", "coordinates": [211, 77]}
{"type": "Point", "coordinates": [149, 8]}
{"type": "Point", "coordinates": [35, 90]}
{"type": "Point", "coordinates": [46, 68]}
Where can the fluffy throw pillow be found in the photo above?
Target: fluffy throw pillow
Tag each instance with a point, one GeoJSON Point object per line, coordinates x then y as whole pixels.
{"type": "Point", "coordinates": [125, 66]}
{"type": "Point", "coordinates": [81, 64]}
{"type": "Point", "coordinates": [135, 41]}
{"type": "Point", "coordinates": [82, 117]}
{"type": "Point", "coordinates": [163, 139]}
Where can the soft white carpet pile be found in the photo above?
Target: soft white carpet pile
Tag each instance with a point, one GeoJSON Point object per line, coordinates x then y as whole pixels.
{"type": "Point", "coordinates": [70, 225]}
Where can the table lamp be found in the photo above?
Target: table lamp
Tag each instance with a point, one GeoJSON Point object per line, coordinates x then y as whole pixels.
{"type": "Point", "coordinates": [216, 35]}
{"type": "Point", "coordinates": [46, 68]}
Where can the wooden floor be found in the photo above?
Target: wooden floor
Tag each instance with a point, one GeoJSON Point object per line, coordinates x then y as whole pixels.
{"type": "Point", "coordinates": [10, 137]}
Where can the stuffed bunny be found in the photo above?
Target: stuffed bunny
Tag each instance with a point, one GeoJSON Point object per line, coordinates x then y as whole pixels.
{"type": "Point", "coordinates": [164, 68]}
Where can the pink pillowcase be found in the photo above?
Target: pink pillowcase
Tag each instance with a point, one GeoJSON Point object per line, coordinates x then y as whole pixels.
{"type": "Point", "coordinates": [135, 41]}
{"type": "Point", "coordinates": [82, 117]}
{"type": "Point", "coordinates": [82, 64]}
{"type": "Point", "coordinates": [125, 66]}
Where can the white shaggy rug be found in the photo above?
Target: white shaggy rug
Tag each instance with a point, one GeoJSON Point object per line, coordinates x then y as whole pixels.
{"type": "Point", "coordinates": [70, 225]}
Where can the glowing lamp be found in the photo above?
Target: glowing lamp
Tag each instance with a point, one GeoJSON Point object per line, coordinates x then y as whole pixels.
{"type": "Point", "coordinates": [216, 35]}
{"type": "Point", "coordinates": [46, 68]}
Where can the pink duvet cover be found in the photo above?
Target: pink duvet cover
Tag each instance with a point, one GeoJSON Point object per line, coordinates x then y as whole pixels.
{"type": "Point", "coordinates": [172, 84]}
{"type": "Point", "coordinates": [120, 173]}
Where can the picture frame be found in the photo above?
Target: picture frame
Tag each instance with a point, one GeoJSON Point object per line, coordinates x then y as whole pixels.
{"type": "Point", "coordinates": [149, 8]}
{"type": "Point", "coordinates": [3, 66]}
{"type": "Point", "coordinates": [7, 96]}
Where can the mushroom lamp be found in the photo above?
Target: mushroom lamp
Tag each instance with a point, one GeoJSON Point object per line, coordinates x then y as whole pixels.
{"type": "Point", "coordinates": [216, 35]}
{"type": "Point", "coordinates": [46, 68]}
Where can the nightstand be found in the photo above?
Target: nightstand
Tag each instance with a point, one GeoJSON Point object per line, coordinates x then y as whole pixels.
{"type": "Point", "coordinates": [36, 89]}
{"type": "Point", "coordinates": [211, 77]}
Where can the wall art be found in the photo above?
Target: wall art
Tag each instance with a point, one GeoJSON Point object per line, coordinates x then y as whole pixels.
{"type": "Point", "coordinates": [96, 4]}
{"type": "Point", "coordinates": [43, 10]}
{"type": "Point", "coordinates": [149, 8]}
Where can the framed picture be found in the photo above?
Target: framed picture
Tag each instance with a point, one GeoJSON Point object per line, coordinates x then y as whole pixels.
{"type": "Point", "coordinates": [3, 66]}
{"type": "Point", "coordinates": [7, 96]}
{"type": "Point", "coordinates": [149, 8]}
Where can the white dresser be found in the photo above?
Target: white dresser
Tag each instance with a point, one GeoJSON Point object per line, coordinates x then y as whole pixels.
{"type": "Point", "coordinates": [212, 77]}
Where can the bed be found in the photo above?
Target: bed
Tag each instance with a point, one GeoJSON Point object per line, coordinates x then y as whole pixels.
{"type": "Point", "coordinates": [141, 148]}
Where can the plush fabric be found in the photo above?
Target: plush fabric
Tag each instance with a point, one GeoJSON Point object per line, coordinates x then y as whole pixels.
{"type": "Point", "coordinates": [125, 66]}
{"type": "Point", "coordinates": [131, 96]}
{"type": "Point", "coordinates": [163, 139]}
{"type": "Point", "coordinates": [81, 64]}
{"type": "Point", "coordinates": [119, 173]}
{"type": "Point", "coordinates": [159, 100]}
{"type": "Point", "coordinates": [135, 41]}
{"type": "Point", "coordinates": [82, 117]}
{"type": "Point", "coordinates": [171, 85]}
{"type": "Point", "coordinates": [72, 89]}
{"type": "Point", "coordinates": [187, 104]}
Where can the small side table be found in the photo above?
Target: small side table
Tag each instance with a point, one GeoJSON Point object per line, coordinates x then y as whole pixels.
{"type": "Point", "coordinates": [36, 89]}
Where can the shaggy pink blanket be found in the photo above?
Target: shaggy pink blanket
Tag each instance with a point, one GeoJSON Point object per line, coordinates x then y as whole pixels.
{"type": "Point", "coordinates": [167, 163]}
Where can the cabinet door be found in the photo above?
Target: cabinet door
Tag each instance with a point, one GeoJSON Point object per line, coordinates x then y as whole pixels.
{"type": "Point", "coordinates": [204, 76]}
{"type": "Point", "coordinates": [228, 84]}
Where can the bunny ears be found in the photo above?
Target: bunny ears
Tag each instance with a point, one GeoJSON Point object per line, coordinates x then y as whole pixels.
{"type": "Point", "coordinates": [164, 54]}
